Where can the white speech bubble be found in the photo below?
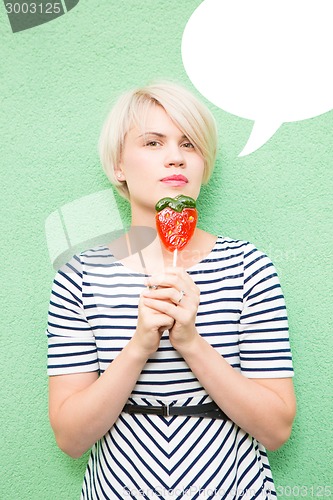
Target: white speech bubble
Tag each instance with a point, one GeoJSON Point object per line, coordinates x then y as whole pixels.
{"type": "Point", "coordinates": [269, 61]}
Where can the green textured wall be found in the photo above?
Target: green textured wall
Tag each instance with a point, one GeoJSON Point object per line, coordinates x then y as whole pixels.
{"type": "Point", "coordinates": [56, 82]}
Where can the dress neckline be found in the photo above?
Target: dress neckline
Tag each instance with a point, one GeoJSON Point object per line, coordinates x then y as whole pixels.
{"type": "Point", "coordinates": [190, 269]}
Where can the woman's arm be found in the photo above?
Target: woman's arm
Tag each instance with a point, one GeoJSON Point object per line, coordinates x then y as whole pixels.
{"type": "Point", "coordinates": [265, 408]}
{"type": "Point", "coordinates": [83, 406]}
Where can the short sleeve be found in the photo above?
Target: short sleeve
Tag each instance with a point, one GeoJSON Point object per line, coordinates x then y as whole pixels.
{"type": "Point", "coordinates": [71, 343]}
{"type": "Point", "coordinates": [264, 337]}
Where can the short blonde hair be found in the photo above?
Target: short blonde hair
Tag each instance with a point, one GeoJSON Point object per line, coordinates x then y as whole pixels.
{"type": "Point", "coordinates": [187, 112]}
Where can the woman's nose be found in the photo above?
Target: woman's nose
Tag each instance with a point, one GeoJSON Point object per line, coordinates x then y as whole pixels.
{"type": "Point", "coordinates": [174, 158]}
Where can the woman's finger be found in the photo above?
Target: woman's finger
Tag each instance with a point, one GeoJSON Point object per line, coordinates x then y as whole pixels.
{"type": "Point", "coordinates": [166, 293]}
{"type": "Point", "coordinates": [169, 277]}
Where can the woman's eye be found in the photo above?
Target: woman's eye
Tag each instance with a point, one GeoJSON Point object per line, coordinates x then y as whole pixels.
{"type": "Point", "coordinates": [152, 143]}
{"type": "Point", "coordinates": [188, 145]}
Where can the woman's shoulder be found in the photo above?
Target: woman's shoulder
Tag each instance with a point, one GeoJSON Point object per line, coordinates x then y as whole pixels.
{"type": "Point", "coordinates": [231, 245]}
{"type": "Point", "coordinates": [226, 247]}
{"type": "Point", "coordinates": [94, 256]}
{"type": "Point", "coordinates": [97, 257]}
{"type": "Point", "coordinates": [96, 252]}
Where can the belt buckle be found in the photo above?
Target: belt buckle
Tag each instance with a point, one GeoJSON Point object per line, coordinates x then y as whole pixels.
{"type": "Point", "coordinates": [166, 410]}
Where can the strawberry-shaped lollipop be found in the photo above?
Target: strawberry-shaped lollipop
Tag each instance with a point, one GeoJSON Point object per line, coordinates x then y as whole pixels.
{"type": "Point", "coordinates": [176, 219]}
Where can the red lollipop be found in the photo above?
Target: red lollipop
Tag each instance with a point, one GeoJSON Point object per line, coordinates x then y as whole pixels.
{"type": "Point", "coordinates": [176, 219]}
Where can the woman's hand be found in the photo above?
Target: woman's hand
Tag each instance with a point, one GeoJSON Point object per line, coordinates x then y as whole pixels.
{"type": "Point", "coordinates": [150, 326]}
{"type": "Point", "coordinates": [174, 294]}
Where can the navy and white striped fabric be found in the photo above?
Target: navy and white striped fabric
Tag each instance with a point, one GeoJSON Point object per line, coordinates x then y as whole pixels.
{"type": "Point", "coordinates": [93, 314]}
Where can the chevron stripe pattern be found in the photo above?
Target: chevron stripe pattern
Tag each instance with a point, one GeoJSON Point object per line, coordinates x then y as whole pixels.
{"type": "Point", "coordinates": [148, 456]}
{"type": "Point", "coordinates": [92, 315]}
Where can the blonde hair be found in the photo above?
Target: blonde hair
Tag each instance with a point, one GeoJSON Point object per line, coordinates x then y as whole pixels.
{"type": "Point", "coordinates": [188, 113]}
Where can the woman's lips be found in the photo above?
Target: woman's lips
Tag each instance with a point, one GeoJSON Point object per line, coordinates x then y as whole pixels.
{"type": "Point", "coordinates": [175, 180]}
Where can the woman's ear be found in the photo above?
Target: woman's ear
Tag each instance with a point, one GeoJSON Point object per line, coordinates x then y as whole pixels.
{"type": "Point", "coordinates": [120, 176]}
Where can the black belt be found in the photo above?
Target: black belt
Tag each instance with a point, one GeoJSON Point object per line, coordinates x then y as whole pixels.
{"type": "Point", "coordinates": [208, 410]}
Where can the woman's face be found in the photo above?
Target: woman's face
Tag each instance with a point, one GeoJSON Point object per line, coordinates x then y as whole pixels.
{"type": "Point", "coordinates": [159, 161]}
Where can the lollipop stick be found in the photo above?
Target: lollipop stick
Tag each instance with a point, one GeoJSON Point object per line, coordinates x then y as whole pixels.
{"type": "Point", "coordinates": [175, 252]}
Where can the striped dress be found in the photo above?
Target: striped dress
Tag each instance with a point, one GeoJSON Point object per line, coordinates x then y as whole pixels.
{"type": "Point", "coordinates": [93, 314]}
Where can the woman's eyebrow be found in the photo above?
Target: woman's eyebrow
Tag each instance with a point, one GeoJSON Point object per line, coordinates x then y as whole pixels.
{"type": "Point", "coordinates": [158, 134]}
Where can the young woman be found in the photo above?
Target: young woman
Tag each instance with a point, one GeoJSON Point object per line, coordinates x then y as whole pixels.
{"type": "Point", "coordinates": [177, 377]}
